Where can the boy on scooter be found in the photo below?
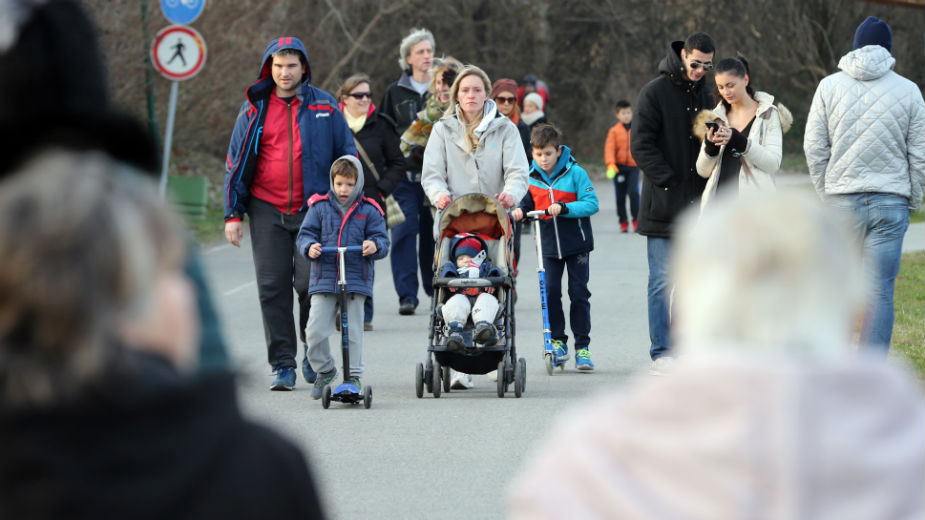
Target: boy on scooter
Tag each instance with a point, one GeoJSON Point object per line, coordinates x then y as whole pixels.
{"type": "Point", "coordinates": [341, 217]}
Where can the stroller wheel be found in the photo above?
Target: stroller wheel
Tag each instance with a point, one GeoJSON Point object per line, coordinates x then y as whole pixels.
{"type": "Point", "coordinates": [501, 384]}
{"type": "Point", "coordinates": [419, 380]}
{"type": "Point", "coordinates": [519, 377]}
{"type": "Point", "coordinates": [446, 379]}
{"type": "Point", "coordinates": [429, 376]}
{"type": "Point", "coordinates": [549, 363]}
{"type": "Point", "coordinates": [435, 384]}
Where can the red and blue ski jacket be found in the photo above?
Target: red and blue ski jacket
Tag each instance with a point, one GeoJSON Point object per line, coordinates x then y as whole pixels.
{"type": "Point", "coordinates": [323, 136]}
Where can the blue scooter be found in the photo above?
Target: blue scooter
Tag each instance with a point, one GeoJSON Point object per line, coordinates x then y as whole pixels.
{"type": "Point", "coordinates": [549, 352]}
{"type": "Point", "coordinates": [345, 392]}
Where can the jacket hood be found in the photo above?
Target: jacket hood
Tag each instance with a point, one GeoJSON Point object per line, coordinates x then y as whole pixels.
{"type": "Point", "coordinates": [357, 190]}
{"type": "Point", "coordinates": [728, 438]}
{"type": "Point", "coordinates": [867, 63]}
{"type": "Point", "coordinates": [672, 66]}
{"type": "Point", "coordinates": [562, 165]}
{"type": "Point", "coordinates": [284, 42]}
{"type": "Point", "coordinates": [765, 103]}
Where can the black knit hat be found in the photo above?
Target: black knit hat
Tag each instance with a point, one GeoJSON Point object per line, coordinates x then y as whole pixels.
{"type": "Point", "coordinates": [53, 89]}
{"type": "Point", "coordinates": [874, 31]}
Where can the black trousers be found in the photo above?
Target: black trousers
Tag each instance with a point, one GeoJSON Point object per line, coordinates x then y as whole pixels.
{"type": "Point", "coordinates": [280, 269]}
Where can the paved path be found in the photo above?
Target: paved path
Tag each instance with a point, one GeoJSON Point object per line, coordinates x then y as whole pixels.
{"type": "Point", "coordinates": [449, 457]}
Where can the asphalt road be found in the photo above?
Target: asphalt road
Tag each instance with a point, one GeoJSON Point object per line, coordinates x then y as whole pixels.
{"type": "Point", "coordinates": [451, 457]}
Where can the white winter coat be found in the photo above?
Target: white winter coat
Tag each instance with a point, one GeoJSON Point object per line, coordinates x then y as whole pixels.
{"type": "Point", "coordinates": [762, 156]}
{"type": "Point", "coordinates": [866, 129]}
{"type": "Point", "coordinates": [497, 165]}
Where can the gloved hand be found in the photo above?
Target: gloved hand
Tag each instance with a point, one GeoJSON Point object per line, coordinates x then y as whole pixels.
{"type": "Point", "coordinates": [737, 143]}
{"type": "Point", "coordinates": [611, 171]}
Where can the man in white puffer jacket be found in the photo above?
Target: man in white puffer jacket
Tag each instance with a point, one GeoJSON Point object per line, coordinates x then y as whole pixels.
{"type": "Point", "coordinates": [865, 147]}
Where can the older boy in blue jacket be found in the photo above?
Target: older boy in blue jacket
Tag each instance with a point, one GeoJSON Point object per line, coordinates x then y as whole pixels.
{"type": "Point", "coordinates": [341, 217]}
{"type": "Point", "coordinates": [562, 187]}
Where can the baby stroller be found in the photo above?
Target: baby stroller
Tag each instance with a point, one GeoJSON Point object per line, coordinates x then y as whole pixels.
{"type": "Point", "coordinates": [483, 215]}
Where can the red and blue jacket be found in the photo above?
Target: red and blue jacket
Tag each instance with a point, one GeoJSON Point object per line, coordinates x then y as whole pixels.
{"type": "Point", "coordinates": [330, 222]}
{"type": "Point", "coordinates": [570, 232]}
{"type": "Point", "coordinates": [322, 134]}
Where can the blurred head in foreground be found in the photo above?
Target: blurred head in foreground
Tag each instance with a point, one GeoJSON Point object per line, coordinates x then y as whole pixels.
{"type": "Point", "coordinates": [775, 274]}
{"type": "Point", "coordinates": [91, 265]}
{"type": "Point", "coordinates": [767, 414]}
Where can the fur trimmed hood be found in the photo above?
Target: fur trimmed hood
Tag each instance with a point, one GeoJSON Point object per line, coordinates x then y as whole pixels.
{"type": "Point", "coordinates": [718, 114]}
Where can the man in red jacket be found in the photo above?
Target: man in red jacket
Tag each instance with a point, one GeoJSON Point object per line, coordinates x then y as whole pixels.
{"type": "Point", "coordinates": [285, 139]}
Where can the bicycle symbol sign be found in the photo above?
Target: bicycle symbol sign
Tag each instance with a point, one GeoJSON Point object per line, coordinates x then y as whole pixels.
{"type": "Point", "coordinates": [182, 11]}
{"type": "Point", "coordinates": [178, 52]}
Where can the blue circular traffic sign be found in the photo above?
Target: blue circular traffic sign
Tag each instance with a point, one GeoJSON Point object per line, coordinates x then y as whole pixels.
{"type": "Point", "coordinates": [182, 11]}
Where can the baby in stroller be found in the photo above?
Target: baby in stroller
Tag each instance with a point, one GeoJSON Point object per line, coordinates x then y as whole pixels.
{"type": "Point", "coordinates": [470, 260]}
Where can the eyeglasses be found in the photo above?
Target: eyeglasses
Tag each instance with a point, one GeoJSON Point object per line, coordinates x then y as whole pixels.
{"type": "Point", "coordinates": [360, 95]}
{"type": "Point", "coordinates": [697, 64]}
{"type": "Point", "coordinates": [505, 100]}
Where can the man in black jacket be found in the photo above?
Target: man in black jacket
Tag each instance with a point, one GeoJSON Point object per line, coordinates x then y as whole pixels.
{"type": "Point", "coordinates": [402, 102]}
{"type": "Point", "coordinates": [666, 151]}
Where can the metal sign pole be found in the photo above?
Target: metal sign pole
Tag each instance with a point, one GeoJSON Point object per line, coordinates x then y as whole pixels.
{"type": "Point", "coordinates": [168, 137]}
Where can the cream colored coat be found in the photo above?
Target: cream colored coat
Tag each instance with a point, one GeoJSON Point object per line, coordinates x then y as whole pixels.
{"type": "Point", "coordinates": [762, 156]}
{"type": "Point", "coordinates": [497, 165]}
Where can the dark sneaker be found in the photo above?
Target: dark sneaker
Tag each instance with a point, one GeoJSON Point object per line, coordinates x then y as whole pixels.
{"type": "Point", "coordinates": [455, 340]}
{"type": "Point", "coordinates": [323, 379]}
{"type": "Point", "coordinates": [285, 379]}
{"type": "Point", "coordinates": [485, 333]}
{"type": "Point", "coordinates": [561, 351]}
{"type": "Point", "coordinates": [307, 371]}
{"type": "Point", "coordinates": [367, 326]}
{"type": "Point", "coordinates": [583, 359]}
{"type": "Point", "coordinates": [406, 307]}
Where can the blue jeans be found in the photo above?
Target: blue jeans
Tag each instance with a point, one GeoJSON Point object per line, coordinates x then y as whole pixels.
{"type": "Point", "coordinates": [629, 187]}
{"type": "Point", "coordinates": [406, 255]}
{"type": "Point", "coordinates": [880, 221]}
{"type": "Point", "coordinates": [659, 296]}
{"type": "Point", "coordinates": [579, 273]}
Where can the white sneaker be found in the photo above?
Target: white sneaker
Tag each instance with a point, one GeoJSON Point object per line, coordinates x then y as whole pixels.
{"type": "Point", "coordinates": [493, 376]}
{"type": "Point", "coordinates": [662, 366]}
{"type": "Point", "coordinates": [460, 381]}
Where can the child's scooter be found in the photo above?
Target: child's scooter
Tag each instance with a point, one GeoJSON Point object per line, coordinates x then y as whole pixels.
{"type": "Point", "coordinates": [549, 353]}
{"type": "Point", "coordinates": [345, 392]}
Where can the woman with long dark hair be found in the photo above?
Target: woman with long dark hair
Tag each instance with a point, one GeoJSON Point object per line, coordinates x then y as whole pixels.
{"type": "Point", "coordinates": [742, 136]}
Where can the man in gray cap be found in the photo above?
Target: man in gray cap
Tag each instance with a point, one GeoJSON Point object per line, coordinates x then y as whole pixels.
{"type": "Point", "coordinates": [865, 147]}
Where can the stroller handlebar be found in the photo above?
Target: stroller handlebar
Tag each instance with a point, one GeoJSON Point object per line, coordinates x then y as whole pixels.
{"type": "Point", "coordinates": [488, 281]}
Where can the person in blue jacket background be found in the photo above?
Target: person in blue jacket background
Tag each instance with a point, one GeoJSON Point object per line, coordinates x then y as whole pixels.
{"type": "Point", "coordinates": [285, 139]}
{"type": "Point", "coordinates": [562, 188]}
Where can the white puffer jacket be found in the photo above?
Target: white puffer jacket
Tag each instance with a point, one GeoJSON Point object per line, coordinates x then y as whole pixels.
{"type": "Point", "coordinates": [866, 129]}
{"type": "Point", "coordinates": [497, 165]}
{"type": "Point", "coordinates": [762, 156]}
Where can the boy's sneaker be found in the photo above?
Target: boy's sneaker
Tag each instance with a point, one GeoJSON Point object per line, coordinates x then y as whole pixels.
{"type": "Point", "coordinates": [285, 379]}
{"type": "Point", "coordinates": [307, 372]}
{"type": "Point", "coordinates": [583, 359]}
{"type": "Point", "coordinates": [624, 227]}
{"type": "Point", "coordinates": [351, 385]}
{"type": "Point", "coordinates": [485, 333]}
{"type": "Point", "coordinates": [561, 350]}
{"type": "Point", "coordinates": [662, 366]}
{"type": "Point", "coordinates": [635, 225]}
{"type": "Point", "coordinates": [323, 379]}
{"type": "Point", "coordinates": [367, 326]}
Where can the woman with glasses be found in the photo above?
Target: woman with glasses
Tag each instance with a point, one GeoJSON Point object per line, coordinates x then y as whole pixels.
{"type": "Point", "coordinates": [374, 133]}
{"type": "Point", "coordinates": [474, 149]}
{"type": "Point", "coordinates": [742, 148]}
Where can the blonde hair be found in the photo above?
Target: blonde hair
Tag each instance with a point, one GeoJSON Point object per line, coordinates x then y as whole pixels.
{"type": "Point", "coordinates": [351, 83]}
{"type": "Point", "coordinates": [83, 239]}
{"type": "Point", "coordinates": [746, 283]}
{"type": "Point", "coordinates": [441, 64]}
{"type": "Point", "coordinates": [470, 126]}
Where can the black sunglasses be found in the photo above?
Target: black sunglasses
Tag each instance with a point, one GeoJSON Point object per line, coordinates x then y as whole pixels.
{"type": "Point", "coordinates": [361, 95]}
{"type": "Point", "coordinates": [501, 99]}
{"type": "Point", "coordinates": [697, 64]}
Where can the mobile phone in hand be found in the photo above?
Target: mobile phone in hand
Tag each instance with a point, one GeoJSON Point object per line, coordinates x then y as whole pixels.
{"type": "Point", "coordinates": [712, 126]}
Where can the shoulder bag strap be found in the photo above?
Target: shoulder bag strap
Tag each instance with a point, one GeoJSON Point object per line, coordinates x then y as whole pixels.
{"type": "Point", "coordinates": [366, 159]}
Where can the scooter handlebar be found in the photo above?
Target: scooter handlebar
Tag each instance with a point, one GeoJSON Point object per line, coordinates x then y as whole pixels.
{"type": "Point", "coordinates": [348, 249]}
{"type": "Point", "coordinates": [538, 213]}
